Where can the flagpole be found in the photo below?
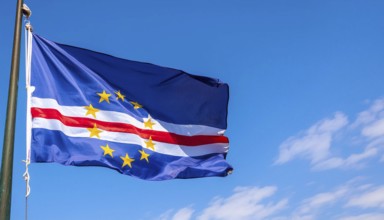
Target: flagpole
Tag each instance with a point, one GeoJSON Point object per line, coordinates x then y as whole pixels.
{"type": "Point", "coordinates": [9, 129]}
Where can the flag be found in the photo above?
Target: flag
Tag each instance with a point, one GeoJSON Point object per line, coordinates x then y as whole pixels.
{"type": "Point", "coordinates": [140, 119]}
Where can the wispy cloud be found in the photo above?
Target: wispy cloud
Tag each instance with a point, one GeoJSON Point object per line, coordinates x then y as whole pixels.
{"type": "Point", "coordinates": [353, 195]}
{"type": "Point", "coordinates": [261, 203]}
{"type": "Point", "coordinates": [375, 129]}
{"type": "Point", "coordinates": [245, 203]}
{"type": "Point", "coordinates": [183, 214]}
{"type": "Point", "coordinates": [369, 216]}
{"type": "Point", "coordinates": [316, 144]}
{"type": "Point", "coordinates": [165, 215]}
{"type": "Point", "coordinates": [350, 161]}
{"type": "Point", "coordinates": [372, 114]}
{"type": "Point", "coordinates": [371, 198]}
{"type": "Point", "coordinates": [312, 204]}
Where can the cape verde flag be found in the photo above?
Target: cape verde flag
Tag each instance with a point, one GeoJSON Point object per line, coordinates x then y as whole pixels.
{"type": "Point", "coordinates": [143, 120]}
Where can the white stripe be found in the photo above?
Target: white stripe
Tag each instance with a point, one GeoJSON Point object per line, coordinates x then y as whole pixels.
{"type": "Point", "coordinates": [163, 148]}
{"type": "Point", "coordinates": [113, 116]}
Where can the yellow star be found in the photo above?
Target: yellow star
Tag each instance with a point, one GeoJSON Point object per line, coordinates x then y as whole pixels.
{"type": "Point", "coordinates": [94, 131]}
{"type": "Point", "coordinates": [104, 96]}
{"type": "Point", "coordinates": [144, 155]}
{"type": "Point", "coordinates": [150, 143]}
{"type": "Point", "coordinates": [107, 150]}
{"type": "Point", "coordinates": [120, 96]}
{"type": "Point", "coordinates": [127, 161]}
{"type": "Point", "coordinates": [149, 123]}
{"type": "Point", "coordinates": [91, 110]}
{"type": "Point", "coordinates": [136, 105]}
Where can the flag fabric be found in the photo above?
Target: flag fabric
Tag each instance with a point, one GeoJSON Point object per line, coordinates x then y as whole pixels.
{"type": "Point", "coordinates": [143, 120]}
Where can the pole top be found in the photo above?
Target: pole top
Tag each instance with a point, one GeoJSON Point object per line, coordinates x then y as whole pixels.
{"type": "Point", "coordinates": [26, 11]}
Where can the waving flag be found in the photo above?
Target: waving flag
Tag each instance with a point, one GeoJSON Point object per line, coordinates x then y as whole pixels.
{"type": "Point", "coordinates": [143, 120]}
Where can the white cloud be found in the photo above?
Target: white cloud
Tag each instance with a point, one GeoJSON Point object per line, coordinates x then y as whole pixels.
{"type": "Point", "coordinates": [311, 206]}
{"type": "Point", "coordinates": [165, 215]}
{"type": "Point", "coordinates": [304, 217]}
{"type": "Point", "coordinates": [314, 143]}
{"type": "Point", "coordinates": [371, 114]}
{"type": "Point", "coordinates": [334, 162]}
{"type": "Point", "coordinates": [364, 187]}
{"type": "Point", "coordinates": [376, 129]}
{"type": "Point", "coordinates": [260, 203]}
{"type": "Point", "coordinates": [322, 199]}
{"type": "Point", "coordinates": [183, 214]}
{"type": "Point", "coordinates": [350, 161]}
{"type": "Point", "coordinates": [370, 216]}
{"type": "Point", "coordinates": [353, 195]}
{"type": "Point", "coordinates": [372, 198]}
{"type": "Point", "coordinates": [317, 143]}
{"type": "Point", "coordinates": [355, 158]}
{"type": "Point", "coordinates": [245, 203]}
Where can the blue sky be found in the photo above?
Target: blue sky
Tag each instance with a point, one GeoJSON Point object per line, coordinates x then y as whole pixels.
{"type": "Point", "coordinates": [306, 112]}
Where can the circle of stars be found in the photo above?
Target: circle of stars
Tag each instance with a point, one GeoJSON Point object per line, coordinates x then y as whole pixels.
{"type": "Point", "coordinates": [95, 132]}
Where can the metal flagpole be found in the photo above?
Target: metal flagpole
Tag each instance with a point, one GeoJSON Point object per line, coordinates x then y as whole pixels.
{"type": "Point", "coordinates": [9, 131]}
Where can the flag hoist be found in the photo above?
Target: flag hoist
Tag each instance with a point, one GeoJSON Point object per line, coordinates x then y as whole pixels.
{"type": "Point", "coordinates": [9, 128]}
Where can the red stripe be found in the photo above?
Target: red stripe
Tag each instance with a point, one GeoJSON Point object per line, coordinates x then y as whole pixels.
{"type": "Point", "coordinates": [159, 136]}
